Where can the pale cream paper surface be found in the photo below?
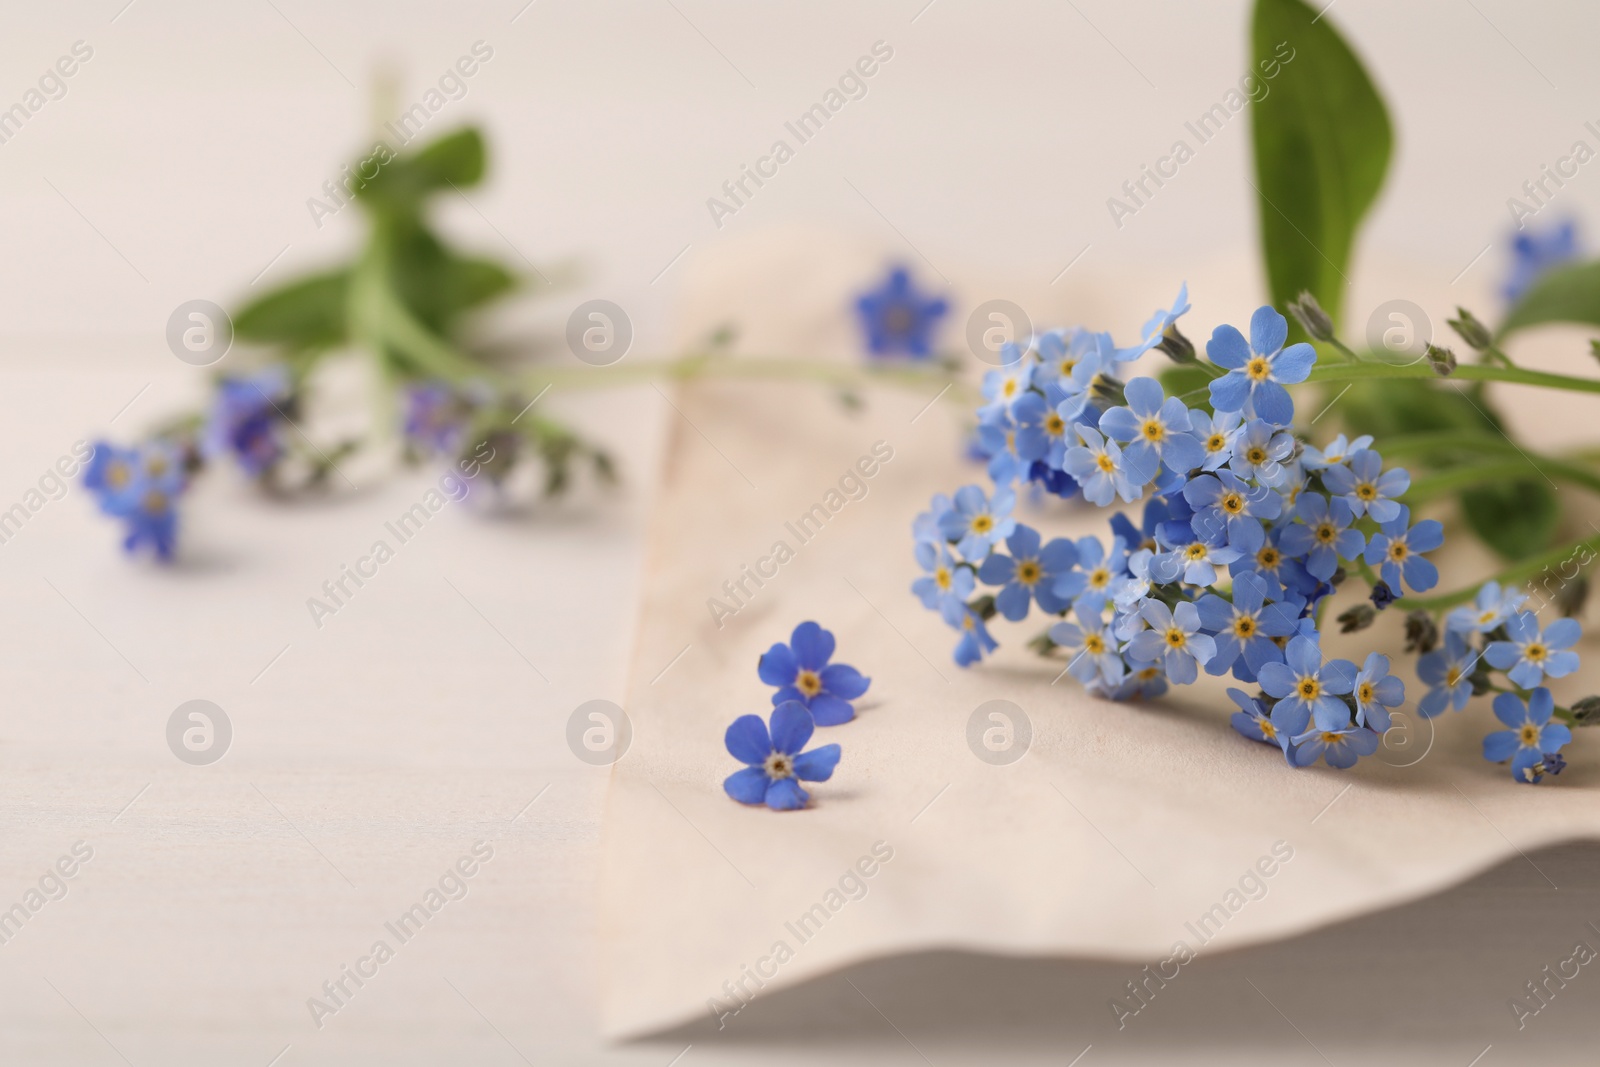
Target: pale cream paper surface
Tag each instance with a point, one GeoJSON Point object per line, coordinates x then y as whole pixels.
{"type": "Point", "coordinates": [1118, 830]}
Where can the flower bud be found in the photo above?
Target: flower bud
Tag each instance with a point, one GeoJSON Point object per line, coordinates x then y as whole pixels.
{"type": "Point", "coordinates": [1382, 595]}
{"type": "Point", "coordinates": [1177, 347]}
{"type": "Point", "coordinates": [1475, 333]}
{"type": "Point", "coordinates": [1356, 618]}
{"type": "Point", "coordinates": [1309, 314]}
{"type": "Point", "coordinates": [1586, 712]}
{"type": "Point", "coordinates": [1421, 634]}
{"type": "Point", "coordinates": [1572, 595]}
{"type": "Point", "coordinates": [1442, 360]}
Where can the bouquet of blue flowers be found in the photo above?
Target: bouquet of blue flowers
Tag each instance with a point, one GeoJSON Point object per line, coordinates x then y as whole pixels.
{"type": "Point", "coordinates": [1246, 529]}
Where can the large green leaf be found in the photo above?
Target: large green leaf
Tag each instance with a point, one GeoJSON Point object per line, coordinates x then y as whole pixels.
{"type": "Point", "coordinates": [457, 159]}
{"type": "Point", "coordinates": [1564, 294]}
{"type": "Point", "coordinates": [1322, 143]}
{"type": "Point", "coordinates": [306, 314]}
{"type": "Point", "coordinates": [1516, 519]}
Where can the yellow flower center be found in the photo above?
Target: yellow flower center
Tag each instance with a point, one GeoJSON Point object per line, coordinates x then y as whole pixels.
{"type": "Point", "coordinates": [1255, 455]}
{"type": "Point", "coordinates": [1099, 578]}
{"type": "Point", "coordinates": [1268, 558]}
{"type": "Point", "coordinates": [778, 765]}
{"type": "Point", "coordinates": [1094, 644]}
{"type": "Point", "coordinates": [1331, 738]}
{"type": "Point", "coordinates": [1216, 443]}
{"type": "Point", "coordinates": [155, 502]}
{"type": "Point", "coordinates": [1452, 677]}
{"type": "Point", "coordinates": [117, 475]}
{"type": "Point", "coordinates": [1528, 735]}
{"type": "Point", "coordinates": [1259, 369]}
{"type": "Point", "coordinates": [1232, 503]}
{"type": "Point", "coordinates": [1066, 366]}
{"type": "Point", "coordinates": [1176, 637]}
{"type": "Point", "coordinates": [1269, 731]}
{"type": "Point", "coordinates": [1029, 571]}
{"type": "Point", "coordinates": [1244, 626]}
{"type": "Point", "coordinates": [1326, 533]}
{"type": "Point", "coordinates": [1366, 491]}
{"type": "Point", "coordinates": [942, 577]}
{"type": "Point", "coordinates": [1365, 693]}
{"type": "Point", "coordinates": [982, 523]}
{"type": "Point", "coordinates": [1398, 550]}
{"type": "Point", "coordinates": [1534, 652]}
{"type": "Point", "coordinates": [1009, 389]}
{"type": "Point", "coordinates": [1196, 551]}
{"type": "Point", "coordinates": [1055, 425]}
{"type": "Point", "coordinates": [809, 683]}
{"type": "Point", "coordinates": [1153, 430]}
{"type": "Point", "coordinates": [1105, 463]}
{"type": "Point", "coordinates": [1308, 688]}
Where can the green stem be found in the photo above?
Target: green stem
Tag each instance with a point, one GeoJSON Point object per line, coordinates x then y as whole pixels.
{"type": "Point", "coordinates": [1472, 372]}
{"type": "Point", "coordinates": [1465, 477]}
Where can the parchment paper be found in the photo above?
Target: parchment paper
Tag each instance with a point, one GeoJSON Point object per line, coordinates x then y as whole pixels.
{"type": "Point", "coordinates": [1122, 831]}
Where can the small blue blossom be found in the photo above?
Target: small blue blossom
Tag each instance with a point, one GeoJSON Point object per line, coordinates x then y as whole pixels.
{"type": "Point", "coordinates": [247, 417]}
{"type": "Point", "coordinates": [1307, 689]}
{"type": "Point", "coordinates": [1155, 429]}
{"type": "Point", "coordinates": [1223, 502]}
{"type": "Point", "coordinates": [1488, 610]}
{"type": "Point", "coordinates": [1192, 555]}
{"type": "Point", "coordinates": [1532, 254]}
{"type": "Point", "coordinates": [1531, 734]}
{"type": "Point", "coordinates": [1400, 552]}
{"type": "Point", "coordinates": [1061, 352]}
{"type": "Point", "coordinates": [1095, 580]}
{"type": "Point", "coordinates": [1447, 672]}
{"type": "Point", "coordinates": [898, 319]}
{"type": "Point", "coordinates": [777, 765]}
{"type": "Point", "coordinates": [1322, 537]}
{"type": "Point", "coordinates": [1029, 573]}
{"type": "Point", "coordinates": [1174, 640]}
{"type": "Point", "coordinates": [946, 578]}
{"type": "Point", "coordinates": [997, 436]}
{"type": "Point", "coordinates": [1006, 385]}
{"type": "Point", "coordinates": [1376, 691]}
{"type": "Point", "coordinates": [1042, 431]}
{"type": "Point", "coordinates": [1262, 453]}
{"type": "Point", "coordinates": [1339, 748]}
{"type": "Point", "coordinates": [975, 641]}
{"type": "Point", "coordinates": [436, 417]}
{"type": "Point", "coordinates": [1100, 659]}
{"type": "Point", "coordinates": [977, 523]}
{"type": "Point", "coordinates": [1258, 370]}
{"type": "Point", "coordinates": [1337, 454]}
{"type": "Point", "coordinates": [1530, 655]}
{"type": "Point", "coordinates": [1367, 487]}
{"type": "Point", "coordinates": [1103, 471]}
{"type": "Point", "coordinates": [1245, 628]}
{"type": "Point", "coordinates": [1144, 681]}
{"type": "Point", "coordinates": [1253, 721]}
{"type": "Point", "coordinates": [141, 487]}
{"type": "Point", "coordinates": [802, 673]}
{"type": "Point", "coordinates": [929, 525]}
{"type": "Point", "coordinates": [1156, 327]}
{"type": "Point", "coordinates": [1216, 434]}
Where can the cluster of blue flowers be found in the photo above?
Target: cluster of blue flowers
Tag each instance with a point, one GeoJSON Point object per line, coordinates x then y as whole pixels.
{"type": "Point", "coordinates": [1245, 531]}
{"type": "Point", "coordinates": [1495, 635]}
{"type": "Point", "coordinates": [141, 485]}
{"type": "Point", "coordinates": [810, 692]}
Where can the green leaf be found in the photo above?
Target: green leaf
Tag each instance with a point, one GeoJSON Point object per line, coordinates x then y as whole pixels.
{"type": "Point", "coordinates": [1516, 519]}
{"type": "Point", "coordinates": [438, 285]}
{"type": "Point", "coordinates": [457, 159]}
{"type": "Point", "coordinates": [1190, 382]}
{"type": "Point", "coordinates": [1322, 143]}
{"type": "Point", "coordinates": [1563, 294]}
{"type": "Point", "coordinates": [304, 314]}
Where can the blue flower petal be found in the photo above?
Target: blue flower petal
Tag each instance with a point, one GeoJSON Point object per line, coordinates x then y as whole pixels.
{"type": "Point", "coordinates": [747, 739]}
{"type": "Point", "coordinates": [792, 725]}
{"type": "Point", "coordinates": [813, 646]}
{"type": "Point", "coordinates": [1228, 349]}
{"type": "Point", "coordinates": [818, 764]}
{"type": "Point", "coordinates": [1268, 330]}
{"type": "Point", "coordinates": [1294, 363]}
{"type": "Point", "coordinates": [785, 794]}
{"type": "Point", "coordinates": [829, 710]}
{"type": "Point", "coordinates": [748, 786]}
{"type": "Point", "coordinates": [778, 665]}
